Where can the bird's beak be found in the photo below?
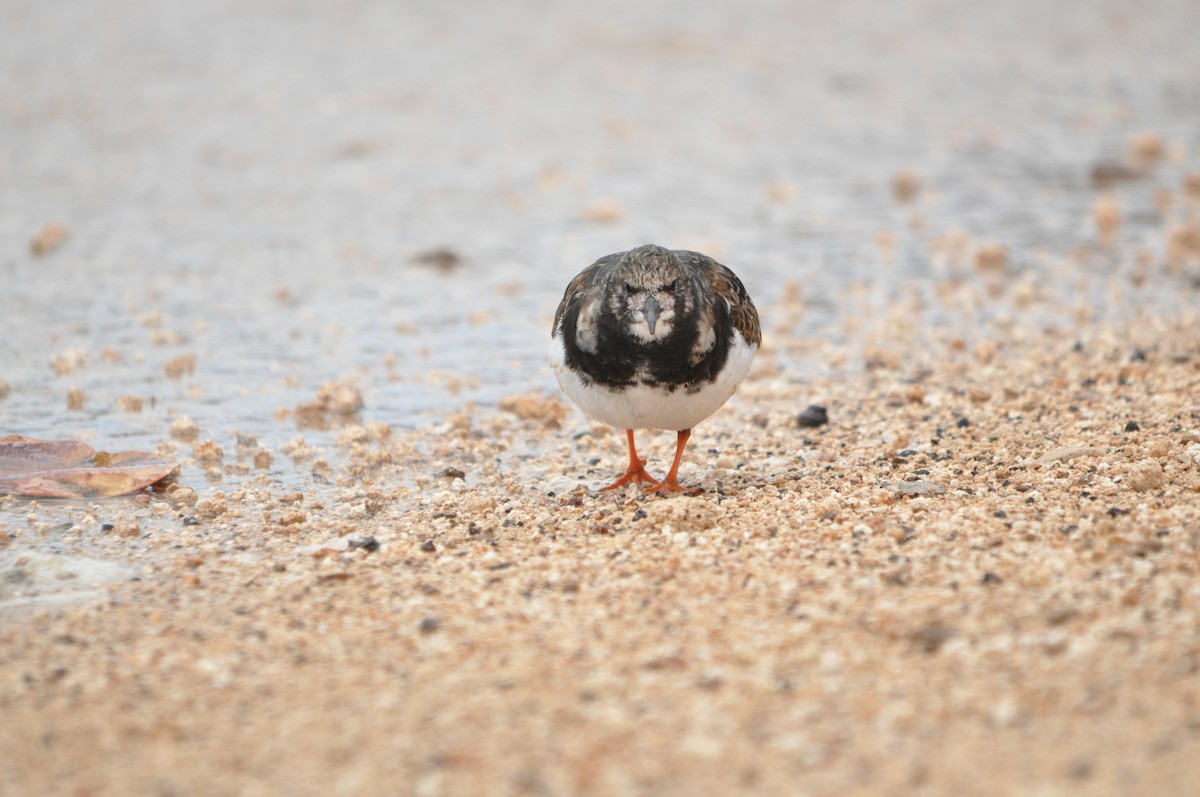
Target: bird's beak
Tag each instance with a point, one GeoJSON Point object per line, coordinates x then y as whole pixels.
{"type": "Point", "coordinates": [650, 311]}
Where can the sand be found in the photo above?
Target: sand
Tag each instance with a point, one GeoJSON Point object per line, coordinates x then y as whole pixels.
{"type": "Point", "coordinates": [979, 577]}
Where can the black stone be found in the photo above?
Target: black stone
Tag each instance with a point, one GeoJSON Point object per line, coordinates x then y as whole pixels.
{"type": "Point", "coordinates": [812, 416]}
{"type": "Point", "coordinates": [368, 544]}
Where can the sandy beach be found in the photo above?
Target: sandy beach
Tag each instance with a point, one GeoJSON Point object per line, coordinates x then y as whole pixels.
{"type": "Point", "coordinates": [384, 568]}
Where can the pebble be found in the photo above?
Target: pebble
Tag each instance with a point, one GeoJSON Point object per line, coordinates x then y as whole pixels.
{"type": "Point", "coordinates": [812, 416]}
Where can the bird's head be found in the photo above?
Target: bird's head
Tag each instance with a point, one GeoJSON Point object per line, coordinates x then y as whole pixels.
{"type": "Point", "coordinates": [648, 290]}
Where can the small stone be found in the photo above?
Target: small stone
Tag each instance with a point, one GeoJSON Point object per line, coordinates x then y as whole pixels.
{"type": "Point", "coordinates": [294, 517]}
{"type": "Point", "coordinates": [812, 416]}
{"type": "Point", "coordinates": [992, 258]}
{"type": "Point", "coordinates": [1146, 148]}
{"type": "Point", "coordinates": [185, 430]}
{"type": "Point", "coordinates": [991, 578]}
{"type": "Point", "coordinates": [905, 185]}
{"type": "Point", "coordinates": [368, 544]}
{"type": "Point", "coordinates": [877, 358]}
{"type": "Point", "coordinates": [429, 624]}
{"type": "Point", "coordinates": [76, 399]}
{"type": "Point", "coordinates": [339, 399]}
{"type": "Point", "coordinates": [179, 496]}
{"type": "Point", "coordinates": [428, 547]}
{"type": "Point", "coordinates": [69, 361]}
{"type": "Point", "coordinates": [533, 407]}
{"type": "Point", "coordinates": [453, 473]}
{"type": "Point", "coordinates": [439, 258]}
{"type": "Point", "coordinates": [1132, 426]}
{"type": "Point", "coordinates": [47, 239]}
{"type": "Point", "coordinates": [179, 367]}
{"type": "Point", "coordinates": [208, 453]}
{"type": "Point", "coordinates": [1106, 215]}
{"type": "Point", "coordinates": [209, 508]}
{"type": "Point", "coordinates": [1146, 475]}
{"type": "Point", "coordinates": [963, 423]}
{"type": "Point", "coordinates": [931, 638]}
{"type": "Point", "coordinates": [605, 212]}
{"type": "Point", "coordinates": [1106, 174]}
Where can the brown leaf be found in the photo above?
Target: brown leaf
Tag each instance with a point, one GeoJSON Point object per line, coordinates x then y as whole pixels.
{"type": "Point", "coordinates": [70, 469]}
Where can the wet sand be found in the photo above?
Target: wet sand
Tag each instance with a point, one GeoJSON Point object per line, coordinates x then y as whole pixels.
{"type": "Point", "coordinates": [383, 569]}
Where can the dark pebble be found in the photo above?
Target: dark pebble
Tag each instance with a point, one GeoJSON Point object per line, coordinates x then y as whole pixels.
{"type": "Point", "coordinates": [106, 527]}
{"type": "Point", "coordinates": [1000, 513]}
{"type": "Point", "coordinates": [1138, 356]}
{"type": "Point", "coordinates": [813, 415]}
{"type": "Point", "coordinates": [453, 473]}
{"type": "Point", "coordinates": [429, 625]}
{"type": "Point", "coordinates": [190, 521]}
{"type": "Point", "coordinates": [1132, 426]}
{"type": "Point", "coordinates": [1105, 174]}
{"type": "Point", "coordinates": [991, 578]}
{"type": "Point", "coordinates": [1082, 769]}
{"type": "Point", "coordinates": [639, 514]}
{"type": "Point", "coordinates": [368, 544]}
{"type": "Point", "coordinates": [439, 258]}
{"type": "Point", "coordinates": [962, 423]}
{"type": "Point", "coordinates": [428, 546]}
{"type": "Point", "coordinates": [932, 637]}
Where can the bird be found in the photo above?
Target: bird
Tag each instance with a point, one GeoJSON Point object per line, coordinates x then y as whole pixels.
{"type": "Point", "coordinates": [653, 338]}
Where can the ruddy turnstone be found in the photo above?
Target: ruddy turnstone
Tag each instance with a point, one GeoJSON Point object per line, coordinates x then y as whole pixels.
{"type": "Point", "coordinates": [653, 339]}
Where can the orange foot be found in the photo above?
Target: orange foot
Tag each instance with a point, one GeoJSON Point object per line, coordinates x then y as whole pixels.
{"type": "Point", "coordinates": [634, 474]}
{"type": "Point", "coordinates": [671, 483]}
{"type": "Point", "coordinates": [636, 471]}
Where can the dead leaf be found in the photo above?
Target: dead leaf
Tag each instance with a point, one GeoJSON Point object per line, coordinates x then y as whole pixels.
{"type": "Point", "coordinates": [70, 469]}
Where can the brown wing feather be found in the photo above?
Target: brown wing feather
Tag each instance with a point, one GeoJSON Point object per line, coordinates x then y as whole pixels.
{"type": "Point", "coordinates": [725, 283]}
{"type": "Point", "coordinates": [579, 286]}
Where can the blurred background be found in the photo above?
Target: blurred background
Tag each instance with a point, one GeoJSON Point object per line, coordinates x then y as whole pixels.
{"type": "Point", "coordinates": [395, 194]}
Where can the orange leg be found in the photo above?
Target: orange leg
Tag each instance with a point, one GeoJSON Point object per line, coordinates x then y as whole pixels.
{"type": "Point", "coordinates": [637, 468]}
{"type": "Point", "coordinates": [671, 483]}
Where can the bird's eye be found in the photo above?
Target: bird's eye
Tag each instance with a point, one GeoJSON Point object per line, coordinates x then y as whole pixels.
{"type": "Point", "coordinates": [671, 286]}
{"type": "Point", "coordinates": [630, 289]}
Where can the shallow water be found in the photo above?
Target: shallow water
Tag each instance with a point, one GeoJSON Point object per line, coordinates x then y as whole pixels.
{"type": "Point", "coordinates": [250, 185]}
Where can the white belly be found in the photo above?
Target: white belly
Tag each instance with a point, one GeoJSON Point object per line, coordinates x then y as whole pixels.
{"type": "Point", "coordinates": [642, 407]}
